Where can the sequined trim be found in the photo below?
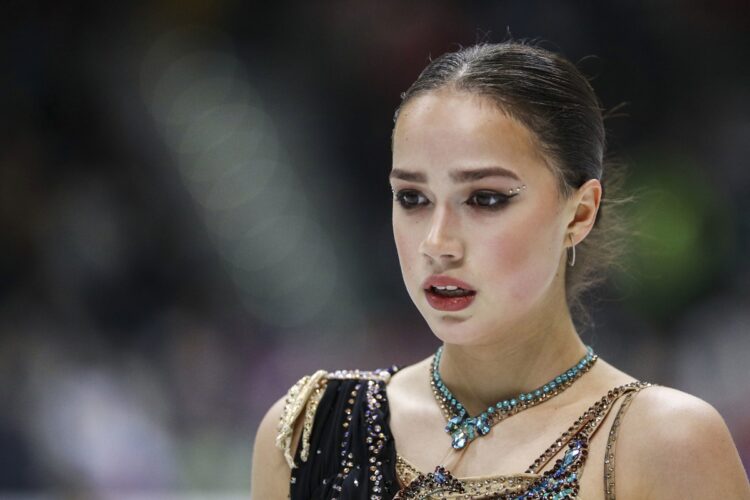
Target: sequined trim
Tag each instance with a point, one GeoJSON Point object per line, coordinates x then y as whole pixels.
{"type": "Point", "coordinates": [379, 374]}
{"type": "Point", "coordinates": [479, 487]}
{"type": "Point", "coordinates": [439, 483]}
{"type": "Point", "coordinates": [298, 398]}
{"type": "Point", "coordinates": [609, 457]}
{"type": "Point", "coordinates": [347, 457]}
{"type": "Point", "coordinates": [375, 436]}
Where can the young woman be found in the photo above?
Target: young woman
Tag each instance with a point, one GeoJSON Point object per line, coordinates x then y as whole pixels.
{"type": "Point", "coordinates": [498, 183]}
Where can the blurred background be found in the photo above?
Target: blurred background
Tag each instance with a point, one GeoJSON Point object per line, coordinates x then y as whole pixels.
{"type": "Point", "coordinates": [195, 212]}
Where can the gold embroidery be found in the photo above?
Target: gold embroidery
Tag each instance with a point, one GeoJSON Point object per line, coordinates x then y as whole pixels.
{"type": "Point", "coordinates": [297, 399]}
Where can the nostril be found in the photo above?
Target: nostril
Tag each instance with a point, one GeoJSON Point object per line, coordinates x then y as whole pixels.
{"type": "Point", "coordinates": [444, 248]}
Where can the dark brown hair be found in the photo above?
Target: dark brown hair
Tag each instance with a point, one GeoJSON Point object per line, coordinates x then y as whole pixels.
{"type": "Point", "coordinates": [546, 93]}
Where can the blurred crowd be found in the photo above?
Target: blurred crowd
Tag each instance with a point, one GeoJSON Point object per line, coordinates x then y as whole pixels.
{"type": "Point", "coordinates": [195, 212]}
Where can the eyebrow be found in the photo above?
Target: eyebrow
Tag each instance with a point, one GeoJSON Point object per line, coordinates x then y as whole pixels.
{"type": "Point", "coordinates": [456, 175]}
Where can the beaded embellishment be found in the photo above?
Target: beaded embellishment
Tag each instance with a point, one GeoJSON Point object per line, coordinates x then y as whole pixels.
{"type": "Point", "coordinates": [561, 482]}
{"type": "Point", "coordinates": [464, 429]}
{"type": "Point", "coordinates": [439, 482]}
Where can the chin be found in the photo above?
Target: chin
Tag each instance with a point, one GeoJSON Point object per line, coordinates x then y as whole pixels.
{"type": "Point", "coordinates": [455, 328]}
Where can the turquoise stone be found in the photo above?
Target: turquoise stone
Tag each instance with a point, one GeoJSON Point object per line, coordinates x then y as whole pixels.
{"type": "Point", "coordinates": [483, 426]}
{"type": "Point", "coordinates": [562, 494]}
{"type": "Point", "coordinates": [453, 424]}
{"type": "Point", "coordinates": [459, 439]}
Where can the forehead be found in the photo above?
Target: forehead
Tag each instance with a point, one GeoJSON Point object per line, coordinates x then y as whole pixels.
{"type": "Point", "coordinates": [444, 130]}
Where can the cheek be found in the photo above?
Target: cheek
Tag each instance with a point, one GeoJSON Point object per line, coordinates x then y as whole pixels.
{"type": "Point", "coordinates": [524, 260]}
{"type": "Point", "coordinates": [406, 246]}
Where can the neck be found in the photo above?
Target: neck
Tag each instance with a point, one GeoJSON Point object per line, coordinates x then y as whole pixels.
{"type": "Point", "coordinates": [522, 360]}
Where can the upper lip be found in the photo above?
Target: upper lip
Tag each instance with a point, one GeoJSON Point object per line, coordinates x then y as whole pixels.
{"type": "Point", "coordinates": [442, 280]}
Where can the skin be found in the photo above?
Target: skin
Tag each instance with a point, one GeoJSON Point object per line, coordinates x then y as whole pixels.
{"type": "Point", "coordinates": [518, 333]}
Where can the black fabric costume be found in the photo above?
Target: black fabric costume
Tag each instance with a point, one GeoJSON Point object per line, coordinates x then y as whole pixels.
{"type": "Point", "coordinates": [333, 446]}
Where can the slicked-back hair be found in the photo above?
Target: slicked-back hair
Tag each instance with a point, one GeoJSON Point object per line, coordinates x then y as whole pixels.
{"type": "Point", "coordinates": [551, 97]}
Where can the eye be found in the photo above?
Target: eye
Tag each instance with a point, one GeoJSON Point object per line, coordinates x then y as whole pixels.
{"type": "Point", "coordinates": [489, 200]}
{"type": "Point", "coordinates": [410, 199]}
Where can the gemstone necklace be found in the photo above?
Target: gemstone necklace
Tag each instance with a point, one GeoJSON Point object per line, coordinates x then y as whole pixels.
{"type": "Point", "coordinates": [463, 428]}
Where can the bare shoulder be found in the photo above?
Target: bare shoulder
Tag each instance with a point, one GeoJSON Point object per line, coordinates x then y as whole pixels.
{"type": "Point", "coordinates": [410, 376]}
{"type": "Point", "coordinates": [270, 472]}
{"type": "Point", "coordinates": [674, 445]}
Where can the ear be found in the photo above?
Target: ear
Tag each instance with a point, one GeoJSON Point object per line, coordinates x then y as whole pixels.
{"type": "Point", "coordinates": [583, 207]}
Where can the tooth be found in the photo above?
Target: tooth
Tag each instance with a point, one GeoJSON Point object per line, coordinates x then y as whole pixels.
{"type": "Point", "coordinates": [451, 287]}
{"type": "Point", "coordinates": [438, 287]}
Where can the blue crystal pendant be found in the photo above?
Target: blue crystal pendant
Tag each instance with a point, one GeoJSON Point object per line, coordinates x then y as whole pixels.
{"type": "Point", "coordinates": [464, 429]}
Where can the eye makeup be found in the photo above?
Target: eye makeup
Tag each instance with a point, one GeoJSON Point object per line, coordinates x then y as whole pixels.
{"type": "Point", "coordinates": [483, 199]}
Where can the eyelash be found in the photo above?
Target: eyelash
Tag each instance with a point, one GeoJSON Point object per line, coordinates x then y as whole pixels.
{"type": "Point", "coordinates": [502, 199]}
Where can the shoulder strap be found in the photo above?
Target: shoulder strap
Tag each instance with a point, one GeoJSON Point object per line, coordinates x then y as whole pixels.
{"type": "Point", "coordinates": [304, 395]}
{"type": "Point", "coordinates": [609, 455]}
{"type": "Point", "coordinates": [587, 423]}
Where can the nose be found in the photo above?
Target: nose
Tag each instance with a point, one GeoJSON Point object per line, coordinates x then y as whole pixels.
{"type": "Point", "coordinates": [441, 243]}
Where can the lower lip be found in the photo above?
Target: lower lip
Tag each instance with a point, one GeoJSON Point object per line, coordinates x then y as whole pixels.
{"type": "Point", "coordinates": [449, 303]}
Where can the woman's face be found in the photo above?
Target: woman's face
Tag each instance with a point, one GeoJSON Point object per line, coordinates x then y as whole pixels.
{"type": "Point", "coordinates": [451, 220]}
